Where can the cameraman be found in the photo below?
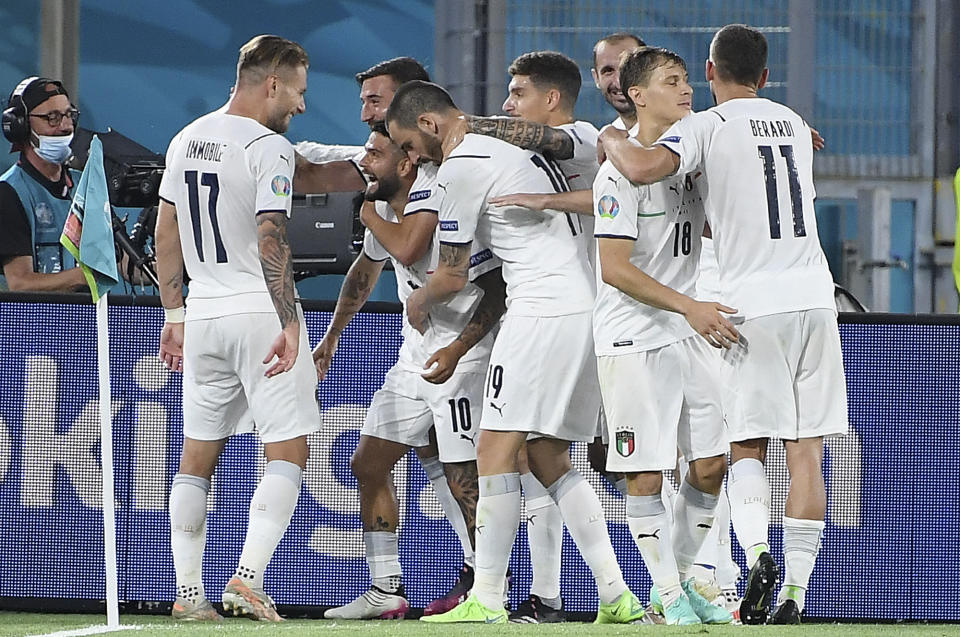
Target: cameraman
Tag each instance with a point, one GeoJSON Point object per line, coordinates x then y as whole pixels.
{"type": "Point", "coordinates": [35, 193]}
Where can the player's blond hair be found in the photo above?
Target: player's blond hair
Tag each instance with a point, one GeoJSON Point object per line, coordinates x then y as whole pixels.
{"type": "Point", "coordinates": [265, 55]}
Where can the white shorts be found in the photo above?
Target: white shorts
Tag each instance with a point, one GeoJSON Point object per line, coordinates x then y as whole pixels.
{"type": "Point", "coordinates": [661, 400]}
{"type": "Point", "coordinates": [788, 381]}
{"type": "Point", "coordinates": [542, 378]}
{"type": "Point", "coordinates": [225, 391]}
{"type": "Point", "coordinates": [407, 407]}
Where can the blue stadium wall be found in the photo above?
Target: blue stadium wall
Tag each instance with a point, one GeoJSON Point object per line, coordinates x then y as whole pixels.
{"type": "Point", "coordinates": [891, 521]}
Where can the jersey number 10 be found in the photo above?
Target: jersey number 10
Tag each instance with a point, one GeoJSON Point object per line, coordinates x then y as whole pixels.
{"type": "Point", "coordinates": [211, 181]}
{"type": "Point", "coordinates": [773, 203]}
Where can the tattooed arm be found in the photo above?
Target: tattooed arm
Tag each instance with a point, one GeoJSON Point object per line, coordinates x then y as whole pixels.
{"type": "Point", "coordinates": [170, 273]}
{"type": "Point", "coordinates": [277, 272]}
{"type": "Point", "coordinates": [491, 307]}
{"type": "Point", "coordinates": [551, 142]}
{"type": "Point", "coordinates": [449, 278]}
{"type": "Point", "coordinates": [354, 292]}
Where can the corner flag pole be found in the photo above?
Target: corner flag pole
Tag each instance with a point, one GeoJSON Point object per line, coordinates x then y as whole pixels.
{"type": "Point", "coordinates": [106, 462]}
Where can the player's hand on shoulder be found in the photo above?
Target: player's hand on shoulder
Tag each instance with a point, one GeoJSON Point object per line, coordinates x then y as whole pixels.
{"type": "Point", "coordinates": [416, 312]}
{"type": "Point", "coordinates": [367, 210]}
{"type": "Point", "coordinates": [171, 346]}
{"type": "Point", "coordinates": [323, 355]}
{"type": "Point", "coordinates": [284, 349]}
{"type": "Point", "coordinates": [818, 142]}
{"type": "Point", "coordinates": [708, 320]}
{"type": "Point", "coordinates": [523, 200]}
{"type": "Point", "coordinates": [608, 132]}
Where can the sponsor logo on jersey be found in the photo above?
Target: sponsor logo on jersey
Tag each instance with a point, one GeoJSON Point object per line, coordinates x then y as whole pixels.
{"type": "Point", "coordinates": [625, 442]}
{"type": "Point", "coordinates": [280, 186]}
{"type": "Point", "coordinates": [449, 225]}
{"type": "Point", "coordinates": [419, 195]}
{"type": "Point", "coordinates": [608, 207]}
{"type": "Point", "coordinates": [480, 257]}
{"type": "Point", "coordinates": [673, 139]}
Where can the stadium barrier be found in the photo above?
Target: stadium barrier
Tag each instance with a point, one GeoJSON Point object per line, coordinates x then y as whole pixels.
{"type": "Point", "coordinates": [893, 496]}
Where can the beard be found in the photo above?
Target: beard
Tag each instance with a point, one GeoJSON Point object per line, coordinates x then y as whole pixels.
{"type": "Point", "coordinates": [279, 122]}
{"type": "Point", "coordinates": [620, 104]}
{"type": "Point", "coordinates": [382, 189]}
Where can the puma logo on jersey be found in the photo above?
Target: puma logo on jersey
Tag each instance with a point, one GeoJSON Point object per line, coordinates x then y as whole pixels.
{"type": "Point", "coordinates": [442, 187]}
{"type": "Point", "coordinates": [615, 180]}
{"type": "Point", "coordinates": [284, 158]}
{"type": "Point", "coordinates": [498, 408]}
{"type": "Point", "coordinates": [675, 189]}
{"type": "Point", "coordinates": [654, 535]}
{"type": "Point", "coordinates": [468, 439]}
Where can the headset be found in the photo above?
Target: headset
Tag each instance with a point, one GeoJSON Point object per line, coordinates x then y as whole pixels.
{"type": "Point", "coordinates": [15, 121]}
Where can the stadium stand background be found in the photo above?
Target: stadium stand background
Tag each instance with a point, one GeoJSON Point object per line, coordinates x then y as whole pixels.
{"type": "Point", "coordinates": [874, 77]}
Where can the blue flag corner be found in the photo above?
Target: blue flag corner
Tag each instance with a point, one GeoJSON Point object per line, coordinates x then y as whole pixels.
{"type": "Point", "coordinates": [88, 232]}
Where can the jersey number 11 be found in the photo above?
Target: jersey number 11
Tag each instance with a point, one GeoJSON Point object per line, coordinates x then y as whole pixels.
{"type": "Point", "coordinates": [773, 202]}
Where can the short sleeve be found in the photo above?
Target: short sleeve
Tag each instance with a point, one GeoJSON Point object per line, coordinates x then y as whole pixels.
{"type": "Point", "coordinates": [615, 205]}
{"type": "Point", "coordinates": [271, 162]}
{"type": "Point", "coordinates": [462, 200]}
{"type": "Point", "coordinates": [373, 248]}
{"type": "Point", "coordinates": [690, 138]}
{"type": "Point", "coordinates": [424, 195]}
{"type": "Point", "coordinates": [167, 190]}
{"type": "Point", "coordinates": [371, 245]}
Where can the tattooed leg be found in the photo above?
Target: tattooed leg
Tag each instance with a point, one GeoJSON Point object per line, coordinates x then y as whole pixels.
{"type": "Point", "coordinates": [372, 464]}
{"type": "Point", "coordinates": [463, 481]}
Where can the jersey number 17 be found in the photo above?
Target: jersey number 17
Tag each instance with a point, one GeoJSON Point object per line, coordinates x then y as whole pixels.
{"type": "Point", "coordinates": [212, 183]}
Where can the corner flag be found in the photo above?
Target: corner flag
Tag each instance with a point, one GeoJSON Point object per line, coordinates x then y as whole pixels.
{"type": "Point", "coordinates": [88, 233]}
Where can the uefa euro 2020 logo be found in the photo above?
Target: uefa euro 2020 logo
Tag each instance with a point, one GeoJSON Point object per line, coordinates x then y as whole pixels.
{"type": "Point", "coordinates": [280, 186]}
{"type": "Point", "coordinates": [608, 206]}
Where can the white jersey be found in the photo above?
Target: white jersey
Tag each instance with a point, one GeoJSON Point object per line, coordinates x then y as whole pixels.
{"type": "Point", "coordinates": [446, 320]}
{"type": "Point", "coordinates": [708, 283]}
{"type": "Point", "coordinates": [618, 124]}
{"type": "Point", "coordinates": [665, 221]}
{"type": "Point", "coordinates": [543, 264]}
{"type": "Point", "coordinates": [757, 163]}
{"type": "Point", "coordinates": [580, 171]}
{"type": "Point", "coordinates": [221, 172]}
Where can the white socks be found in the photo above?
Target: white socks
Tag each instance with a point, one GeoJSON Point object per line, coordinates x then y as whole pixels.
{"type": "Point", "coordinates": [749, 494]}
{"type": "Point", "coordinates": [451, 508]}
{"type": "Point", "coordinates": [693, 519]}
{"type": "Point", "coordinates": [271, 508]}
{"type": "Point", "coordinates": [188, 533]}
{"type": "Point", "coordinates": [583, 515]}
{"type": "Point", "coordinates": [801, 544]}
{"type": "Point", "coordinates": [650, 528]}
{"type": "Point", "coordinates": [498, 517]}
{"type": "Point", "coordinates": [545, 537]}
{"type": "Point", "coordinates": [383, 559]}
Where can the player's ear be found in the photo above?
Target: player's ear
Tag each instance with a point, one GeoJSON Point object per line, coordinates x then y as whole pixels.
{"type": "Point", "coordinates": [596, 78]}
{"type": "Point", "coordinates": [428, 124]}
{"type": "Point", "coordinates": [710, 71]}
{"type": "Point", "coordinates": [405, 167]}
{"type": "Point", "coordinates": [763, 78]}
{"type": "Point", "coordinates": [635, 93]}
{"type": "Point", "coordinates": [553, 98]}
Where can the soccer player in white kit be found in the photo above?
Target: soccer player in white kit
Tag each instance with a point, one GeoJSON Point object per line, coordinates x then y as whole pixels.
{"type": "Point", "coordinates": [228, 179]}
{"type": "Point", "coordinates": [541, 365]}
{"type": "Point", "coordinates": [607, 53]}
{"type": "Point", "coordinates": [543, 92]}
{"type": "Point", "coordinates": [658, 378]}
{"type": "Point", "coordinates": [412, 401]}
{"type": "Point", "coordinates": [409, 244]}
{"type": "Point", "coordinates": [785, 377]}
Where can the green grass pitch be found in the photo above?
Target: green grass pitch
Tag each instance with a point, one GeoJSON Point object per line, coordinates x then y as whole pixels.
{"type": "Point", "coordinates": [21, 624]}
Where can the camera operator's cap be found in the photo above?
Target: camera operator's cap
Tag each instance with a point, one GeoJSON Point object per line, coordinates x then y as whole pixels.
{"type": "Point", "coordinates": [31, 93]}
{"type": "Point", "coordinates": [36, 92]}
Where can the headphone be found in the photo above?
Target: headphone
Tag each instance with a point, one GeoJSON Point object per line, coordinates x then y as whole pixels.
{"type": "Point", "coordinates": [15, 121]}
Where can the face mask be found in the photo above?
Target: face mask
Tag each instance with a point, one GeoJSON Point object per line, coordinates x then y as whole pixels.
{"type": "Point", "coordinates": [54, 148]}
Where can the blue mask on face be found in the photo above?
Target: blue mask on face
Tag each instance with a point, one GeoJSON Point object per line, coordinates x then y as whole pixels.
{"type": "Point", "coordinates": [54, 148]}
